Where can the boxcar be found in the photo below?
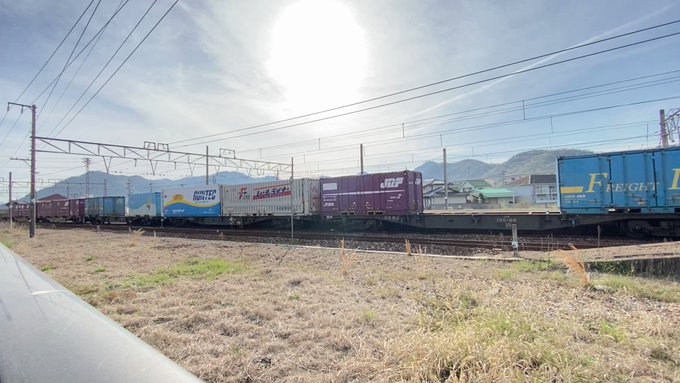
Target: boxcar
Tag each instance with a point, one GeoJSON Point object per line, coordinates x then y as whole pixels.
{"type": "Point", "coordinates": [396, 193]}
{"type": "Point", "coordinates": [641, 181]}
{"type": "Point", "coordinates": [51, 210]}
{"type": "Point", "coordinates": [202, 201]}
{"type": "Point", "coordinates": [105, 207]}
{"type": "Point", "coordinates": [145, 205]}
{"type": "Point", "coordinates": [271, 198]}
{"type": "Point", "coordinates": [76, 209]}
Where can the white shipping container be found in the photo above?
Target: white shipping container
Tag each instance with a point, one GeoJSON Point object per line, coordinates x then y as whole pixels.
{"type": "Point", "coordinates": [271, 198]}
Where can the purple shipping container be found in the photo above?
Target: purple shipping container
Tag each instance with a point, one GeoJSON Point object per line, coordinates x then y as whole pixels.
{"type": "Point", "coordinates": [398, 193]}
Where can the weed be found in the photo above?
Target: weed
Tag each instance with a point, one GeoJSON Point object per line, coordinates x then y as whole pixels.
{"type": "Point", "coordinates": [368, 317]}
{"type": "Point", "coordinates": [135, 236]}
{"type": "Point", "coordinates": [534, 266]}
{"type": "Point", "coordinates": [610, 330]}
{"type": "Point", "coordinates": [201, 269]}
{"type": "Point", "coordinates": [576, 266]}
{"type": "Point", "coordinates": [47, 268]}
{"type": "Point", "coordinates": [294, 297]}
{"type": "Point", "coordinates": [89, 259]}
{"type": "Point", "coordinates": [346, 260]}
{"type": "Point", "coordinates": [407, 245]}
{"type": "Point", "coordinates": [507, 275]}
{"type": "Point", "coordinates": [8, 244]}
{"type": "Point", "coordinates": [99, 270]}
{"type": "Point", "coordinates": [636, 287]}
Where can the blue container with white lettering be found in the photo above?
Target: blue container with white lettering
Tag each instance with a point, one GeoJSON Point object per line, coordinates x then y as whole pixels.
{"type": "Point", "coordinates": [202, 201]}
{"type": "Point", "coordinates": [639, 181]}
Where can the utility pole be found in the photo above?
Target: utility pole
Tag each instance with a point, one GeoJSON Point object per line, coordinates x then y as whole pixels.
{"type": "Point", "coordinates": [33, 206]}
{"type": "Point", "coordinates": [446, 184]}
{"type": "Point", "coordinates": [87, 162]}
{"type": "Point", "coordinates": [292, 202]}
{"type": "Point", "coordinates": [106, 191]}
{"type": "Point", "coordinates": [207, 166]}
{"type": "Point", "coordinates": [663, 131]}
{"type": "Point", "coordinates": [10, 200]}
{"type": "Point", "coordinates": [361, 157]}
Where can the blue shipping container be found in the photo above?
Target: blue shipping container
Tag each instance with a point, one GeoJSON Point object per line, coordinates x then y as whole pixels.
{"type": "Point", "coordinates": [201, 201]}
{"type": "Point", "coordinates": [644, 181]}
{"type": "Point", "coordinates": [145, 205]}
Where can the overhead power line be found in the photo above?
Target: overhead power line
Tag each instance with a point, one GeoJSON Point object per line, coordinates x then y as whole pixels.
{"type": "Point", "coordinates": [517, 105]}
{"type": "Point", "coordinates": [117, 69]}
{"type": "Point", "coordinates": [120, 46]}
{"type": "Point", "coordinates": [54, 52]}
{"type": "Point", "coordinates": [68, 60]}
{"type": "Point", "coordinates": [101, 30]}
{"type": "Point", "coordinates": [435, 92]}
{"type": "Point", "coordinates": [452, 79]}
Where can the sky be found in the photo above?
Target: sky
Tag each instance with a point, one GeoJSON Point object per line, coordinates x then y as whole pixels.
{"type": "Point", "coordinates": [309, 81]}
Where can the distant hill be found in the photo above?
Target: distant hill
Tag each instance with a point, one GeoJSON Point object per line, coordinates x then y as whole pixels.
{"type": "Point", "coordinates": [531, 162]}
{"type": "Point", "coordinates": [117, 185]}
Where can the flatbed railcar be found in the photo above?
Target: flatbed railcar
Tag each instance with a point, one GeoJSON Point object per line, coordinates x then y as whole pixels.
{"type": "Point", "coordinates": [637, 192]}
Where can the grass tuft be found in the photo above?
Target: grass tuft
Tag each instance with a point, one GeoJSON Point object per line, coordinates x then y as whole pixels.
{"type": "Point", "coordinates": [199, 269]}
{"type": "Point", "coordinates": [135, 237]}
{"type": "Point", "coordinates": [99, 270]}
{"type": "Point", "coordinates": [346, 260]}
{"type": "Point", "coordinates": [642, 288]}
{"type": "Point", "coordinates": [576, 266]}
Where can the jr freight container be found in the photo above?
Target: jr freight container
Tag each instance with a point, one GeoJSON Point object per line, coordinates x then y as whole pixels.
{"type": "Point", "coordinates": [398, 193]}
{"type": "Point", "coordinates": [105, 207]}
{"type": "Point", "coordinates": [202, 201]}
{"type": "Point", "coordinates": [641, 181]}
{"type": "Point", "coordinates": [271, 198]}
{"type": "Point", "coordinates": [145, 205]}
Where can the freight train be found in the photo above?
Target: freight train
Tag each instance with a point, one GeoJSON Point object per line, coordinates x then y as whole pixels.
{"type": "Point", "coordinates": [637, 192]}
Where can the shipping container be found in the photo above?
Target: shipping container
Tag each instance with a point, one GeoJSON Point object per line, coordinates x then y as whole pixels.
{"type": "Point", "coordinates": [641, 181]}
{"type": "Point", "coordinates": [145, 205]}
{"type": "Point", "coordinates": [202, 201]}
{"type": "Point", "coordinates": [396, 193]}
{"type": "Point", "coordinates": [76, 209]}
{"type": "Point", "coordinates": [105, 207]}
{"type": "Point", "coordinates": [271, 198]}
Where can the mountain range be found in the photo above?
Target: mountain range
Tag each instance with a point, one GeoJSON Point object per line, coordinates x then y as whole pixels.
{"type": "Point", "coordinates": [525, 163]}
{"type": "Point", "coordinates": [100, 183]}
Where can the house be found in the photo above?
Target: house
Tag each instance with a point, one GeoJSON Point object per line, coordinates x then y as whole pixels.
{"type": "Point", "coordinates": [471, 185]}
{"type": "Point", "coordinates": [493, 196]}
{"type": "Point", "coordinates": [434, 194]}
{"type": "Point", "coordinates": [534, 190]}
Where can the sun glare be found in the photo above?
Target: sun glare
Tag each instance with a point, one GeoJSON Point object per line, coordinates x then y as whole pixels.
{"type": "Point", "coordinates": [318, 55]}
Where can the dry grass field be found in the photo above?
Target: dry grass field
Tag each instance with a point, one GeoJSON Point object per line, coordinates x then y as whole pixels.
{"type": "Point", "coordinates": [232, 312]}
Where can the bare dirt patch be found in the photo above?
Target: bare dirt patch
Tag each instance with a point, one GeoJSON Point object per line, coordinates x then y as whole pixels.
{"type": "Point", "coordinates": [233, 312]}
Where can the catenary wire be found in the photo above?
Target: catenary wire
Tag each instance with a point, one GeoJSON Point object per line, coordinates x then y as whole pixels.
{"type": "Point", "coordinates": [117, 69]}
{"type": "Point", "coordinates": [68, 60]}
{"type": "Point", "coordinates": [527, 70]}
{"type": "Point", "coordinates": [441, 82]}
{"type": "Point", "coordinates": [120, 46]}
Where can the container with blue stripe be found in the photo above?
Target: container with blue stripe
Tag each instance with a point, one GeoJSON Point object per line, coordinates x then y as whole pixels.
{"type": "Point", "coordinates": [640, 181]}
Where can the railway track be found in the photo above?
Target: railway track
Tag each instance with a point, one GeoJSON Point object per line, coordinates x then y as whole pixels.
{"type": "Point", "coordinates": [360, 240]}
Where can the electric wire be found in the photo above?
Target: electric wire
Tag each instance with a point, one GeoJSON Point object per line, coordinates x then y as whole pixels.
{"type": "Point", "coordinates": [453, 79]}
{"type": "Point", "coordinates": [83, 49]}
{"type": "Point", "coordinates": [54, 52]}
{"type": "Point", "coordinates": [410, 125]}
{"type": "Point", "coordinates": [527, 70]}
{"type": "Point", "coordinates": [120, 46]}
{"type": "Point", "coordinates": [68, 60]}
{"type": "Point", "coordinates": [117, 69]}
